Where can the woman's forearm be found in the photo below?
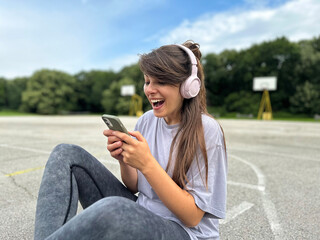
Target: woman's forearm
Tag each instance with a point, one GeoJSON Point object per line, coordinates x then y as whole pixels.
{"type": "Point", "coordinates": [129, 177]}
{"type": "Point", "coordinates": [177, 200]}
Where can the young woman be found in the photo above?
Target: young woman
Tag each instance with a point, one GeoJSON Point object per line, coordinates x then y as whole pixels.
{"type": "Point", "coordinates": [175, 159]}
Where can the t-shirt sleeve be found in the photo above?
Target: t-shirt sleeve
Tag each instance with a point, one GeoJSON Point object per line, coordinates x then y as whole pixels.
{"type": "Point", "coordinates": [211, 198]}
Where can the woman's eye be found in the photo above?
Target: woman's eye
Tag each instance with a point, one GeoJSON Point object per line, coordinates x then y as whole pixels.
{"type": "Point", "coordinates": [146, 83]}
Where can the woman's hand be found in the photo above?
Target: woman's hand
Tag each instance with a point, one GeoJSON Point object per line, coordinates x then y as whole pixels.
{"type": "Point", "coordinates": [129, 175]}
{"type": "Point", "coordinates": [114, 145]}
{"type": "Point", "coordinates": [135, 152]}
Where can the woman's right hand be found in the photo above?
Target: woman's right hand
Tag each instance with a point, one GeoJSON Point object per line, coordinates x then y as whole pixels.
{"type": "Point", "coordinates": [114, 145]}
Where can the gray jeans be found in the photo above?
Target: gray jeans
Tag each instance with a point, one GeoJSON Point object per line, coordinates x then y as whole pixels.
{"type": "Point", "coordinates": [110, 210]}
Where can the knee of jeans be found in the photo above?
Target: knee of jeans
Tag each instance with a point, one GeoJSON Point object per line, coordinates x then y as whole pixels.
{"type": "Point", "coordinates": [117, 205]}
{"type": "Point", "coordinates": [64, 147]}
{"type": "Point", "coordinates": [116, 201]}
{"type": "Point", "coordinates": [63, 150]}
{"type": "Point", "coordinates": [116, 209]}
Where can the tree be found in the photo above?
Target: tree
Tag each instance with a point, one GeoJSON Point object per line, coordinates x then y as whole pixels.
{"type": "Point", "coordinates": [306, 99]}
{"type": "Point", "coordinates": [217, 79]}
{"type": "Point", "coordinates": [277, 58]}
{"type": "Point", "coordinates": [14, 91]}
{"type": "Point", "coordinates": [89, 89]}
{"type": "Point", "coordinates": [113, 102]}
{"type": "Point", "coordinates": [3, 95]}
{"type": "Point", "coordinates": [49, 92]}
{"type": "Point", "coordinates": [242, 102]}
{"type": "Point", "coordinates": [232, 72]}
{"type": "Point", "coordinates": [308, 69]}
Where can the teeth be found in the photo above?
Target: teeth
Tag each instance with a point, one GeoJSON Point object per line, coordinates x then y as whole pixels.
{"type": "Point", "coordinates": [155, 101]}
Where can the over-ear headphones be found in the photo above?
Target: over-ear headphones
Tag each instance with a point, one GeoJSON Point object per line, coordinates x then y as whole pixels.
{"type": "Point", "coordinates": [191, 86]}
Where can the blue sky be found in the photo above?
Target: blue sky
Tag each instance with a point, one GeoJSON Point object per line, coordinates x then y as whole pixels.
{"type": "Point", "coordinates": [78, 35]}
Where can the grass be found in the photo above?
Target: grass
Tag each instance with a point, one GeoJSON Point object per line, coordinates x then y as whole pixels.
{"type": "Point", "coordinates": [293, 117]}
{"type": "Point", "coordinates": [221, 113]}
{"type": "Point", "coordinates": [9, 113]}
{"type": "Point", "coordinates": [300, 119]}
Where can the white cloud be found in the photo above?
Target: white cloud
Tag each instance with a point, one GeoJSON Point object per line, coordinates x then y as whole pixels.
{"type": "Point", "coordinates": [35, 37]}
{"type": "Point", "coordinates": [115, 64]}
{"type": "Point", "coordinates": [30, 41]}
{"type": "Point", "coordinates": [238, 29]}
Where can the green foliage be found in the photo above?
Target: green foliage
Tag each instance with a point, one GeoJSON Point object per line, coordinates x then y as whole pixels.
{"type": "Point", "coordinates": [232, 72]}
{"type": "Point", "coordinates": [229, 79]}
{"type": "Point", "coordinates": [14, 91]}
{"type": "Point", "coordinates": [243, 102]}
{"type": "Point", "coordinates": [89, 89]}
{"type": "Point", "coordinates": [113, 102]}
{"type": "Point", "coordinates": [3, 95]}
{"type": "Point", "coordinates": [49, 92]}
{"type": "Point", "coordinates": [308, 69]}
{"type": "Point", "coordinates": [306, 99]}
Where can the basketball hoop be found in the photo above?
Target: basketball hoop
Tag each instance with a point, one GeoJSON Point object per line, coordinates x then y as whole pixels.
{"type": "Point", "coordinates": [265, 84]}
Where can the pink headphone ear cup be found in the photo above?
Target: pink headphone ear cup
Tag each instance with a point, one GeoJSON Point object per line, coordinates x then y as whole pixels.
{"type": "Point", "coordinates": [190, 87]}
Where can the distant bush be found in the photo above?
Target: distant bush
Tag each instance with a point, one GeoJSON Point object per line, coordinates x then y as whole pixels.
{"type": "Point", "coordinates": [243, 102]}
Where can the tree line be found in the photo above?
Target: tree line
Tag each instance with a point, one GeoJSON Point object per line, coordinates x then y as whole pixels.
{"type": "Point", "coordinates": [228, 76]}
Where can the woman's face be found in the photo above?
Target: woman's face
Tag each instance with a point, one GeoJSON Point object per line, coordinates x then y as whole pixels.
{"type": "Point", "coordinates": [165, 99]}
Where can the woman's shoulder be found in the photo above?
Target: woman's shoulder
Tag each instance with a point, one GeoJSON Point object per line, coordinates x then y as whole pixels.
{"type": "Point", "coordinates": [212, 130]}
{"type": "Point", "coordinates": [145, 118]}
{"type": "Point", "coordinates": [209, 122]}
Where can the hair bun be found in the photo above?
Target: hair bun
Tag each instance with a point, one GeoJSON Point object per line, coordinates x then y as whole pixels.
{"type": "Point", "coordinates": [194, 47]}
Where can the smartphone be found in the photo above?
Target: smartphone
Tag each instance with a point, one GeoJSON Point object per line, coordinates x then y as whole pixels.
{"type": "Point", "coordinates": [114, 123]}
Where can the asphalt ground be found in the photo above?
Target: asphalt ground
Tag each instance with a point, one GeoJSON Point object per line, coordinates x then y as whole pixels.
{"type": "Point", "coordinates": [273, 179]}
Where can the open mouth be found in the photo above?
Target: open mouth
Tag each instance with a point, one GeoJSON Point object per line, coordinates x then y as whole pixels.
{"type": "Point", "coordinates": [157, 103]}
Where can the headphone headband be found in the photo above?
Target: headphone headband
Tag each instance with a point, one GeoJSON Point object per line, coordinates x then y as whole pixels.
{"type": "Point", "coordinates": [191, 86]}
{"type": "Point", "coordinates": [190, 53]}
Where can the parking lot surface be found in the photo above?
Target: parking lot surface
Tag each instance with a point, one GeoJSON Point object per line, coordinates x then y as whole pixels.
{"type": "Point", "coordinates": [273, 179]}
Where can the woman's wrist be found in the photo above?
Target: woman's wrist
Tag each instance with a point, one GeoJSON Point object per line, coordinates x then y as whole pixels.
{"type": "Point", "coordinates": [149, 167]}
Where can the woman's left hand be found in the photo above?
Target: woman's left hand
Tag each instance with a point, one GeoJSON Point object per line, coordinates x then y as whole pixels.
{"type": "Point", "coordinates": [136, 152]}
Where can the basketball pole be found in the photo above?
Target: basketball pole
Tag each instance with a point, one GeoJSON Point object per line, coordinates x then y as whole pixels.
{"type": "Point", "coordinates": [136, 106]}
{"type": "Point", "coordinates": [265, 109]}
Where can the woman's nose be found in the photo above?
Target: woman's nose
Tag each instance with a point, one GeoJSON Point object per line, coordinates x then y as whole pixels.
{"type": "Point", "coordinates": [149, 89]}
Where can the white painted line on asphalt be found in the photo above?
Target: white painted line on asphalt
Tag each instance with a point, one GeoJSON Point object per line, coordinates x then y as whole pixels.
{"type": "Point", "coordinates": [24, 149]}
{"type": "Point", "coordinates": [261, 181]}
{"type": "Point", "coordinates": [271, 212]}
{"type": "Point", "coordinates": [236, 211]}
{"type": "Point", "coordinates": [246, 185]}
{"type": "Point", "coordinates": [268, 205]}
{"type": "Point", "coordinates": [276, 154]}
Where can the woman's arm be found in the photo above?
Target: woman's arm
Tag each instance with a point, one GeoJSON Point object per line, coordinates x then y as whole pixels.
{"type": "Point", "coordinates": [129, 174]}
{"type": "Point", "coordinates": [179, 201]}
{"type": "Point", "coordinates": [137, 154]}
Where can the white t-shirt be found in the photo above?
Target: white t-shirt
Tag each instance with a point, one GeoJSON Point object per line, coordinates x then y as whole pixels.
{"type": "Point", "coordinates": [211, 200]}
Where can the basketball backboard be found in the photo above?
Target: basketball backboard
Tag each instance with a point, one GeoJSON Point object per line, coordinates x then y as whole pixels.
{"type": "Point", "coordinates": [264, 83]}
{"type": "Point", "coordinates": [128, 90]}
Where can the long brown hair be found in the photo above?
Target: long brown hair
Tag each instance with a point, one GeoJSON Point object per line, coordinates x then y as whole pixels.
{"type": "Point", "coordinates": [171, 65]}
